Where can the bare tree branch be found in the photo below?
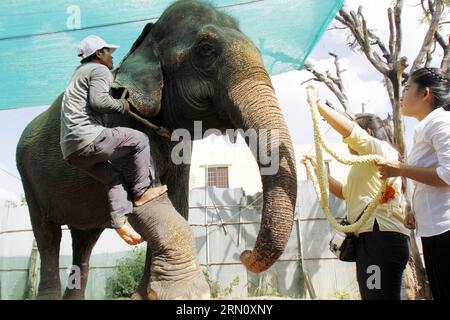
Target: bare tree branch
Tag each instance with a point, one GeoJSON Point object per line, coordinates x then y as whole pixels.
{"type": "Point", "coordinates": [398, 29]}
{"type": "Point", "coordinates": [445, 64]}
{"type": "Point", "coordinates": [393, 67]}
{"type": "Point", "coordinates": [430, 53]}
{"type": "Point", "coordinates": [436, 14]}
{"type": "Point", "coordinates": [422, 3]}
{"type": "Point", "coordinates": [377, 41]}
{"type": "Point", "coordinates": [338, 80]}
{"type": "Point", "coordinates": [440, 39]}
{"type": "Point", "coordinates": [356, 23]}
{"type": "Point", "coordinates": [333, 83]}
{"type": "Point", "coordinates": [390, 90]}
{"type": "Point", "coordinates": [392, 35]}
{"type": "Point", "coordinates": [445, 45]}
{"type": "Point", "coordinates": [431, 5]}
{"type": "Point", "coordinates": [336, 28]}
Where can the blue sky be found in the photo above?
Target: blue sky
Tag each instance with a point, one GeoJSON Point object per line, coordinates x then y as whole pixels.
{"type": "Point", "coordinates": [362, 81]}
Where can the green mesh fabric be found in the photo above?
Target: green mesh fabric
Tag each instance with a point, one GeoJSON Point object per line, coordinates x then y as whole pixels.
{"type": "Point", "coordinates": [38, 39]}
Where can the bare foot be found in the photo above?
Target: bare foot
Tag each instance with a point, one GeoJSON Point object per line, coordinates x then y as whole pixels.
{"type": "Point", "coordinates": [127, 233]}
{"type": "Point", "coordinates": [149, 195]}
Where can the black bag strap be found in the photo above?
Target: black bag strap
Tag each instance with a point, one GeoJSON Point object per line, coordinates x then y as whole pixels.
{"type": "Point", "coordinates": [360, 215]}
{"type": "Point", "coordinates": [364, 210]}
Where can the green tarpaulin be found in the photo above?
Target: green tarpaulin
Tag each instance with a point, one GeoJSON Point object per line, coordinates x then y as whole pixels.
{"type": "Point", "coordinates": [38, 39]}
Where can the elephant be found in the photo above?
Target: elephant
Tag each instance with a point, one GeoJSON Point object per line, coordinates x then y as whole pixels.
{"type": "Point", "coordinates": [192, 64]}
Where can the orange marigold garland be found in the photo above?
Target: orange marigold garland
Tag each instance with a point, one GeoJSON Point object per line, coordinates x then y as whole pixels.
{"type": "Point", "coordinates": [388, 194]}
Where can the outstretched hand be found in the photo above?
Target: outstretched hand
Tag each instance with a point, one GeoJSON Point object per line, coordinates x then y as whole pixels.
{"type": "Point", "coordinates": [164, 132]}
{"type": "Point", "coordinates": [410, 221]}
{"type": "Point", "coordinates": [314, 92]}
{"type": "Point", "coordinates": [126, 105]}
{"type": "Point", "coordinates": [311, 159]}
{"type": "Point", "coordinates": [125, 100]}
{"type": "Point", "coordinates": [389, 169]}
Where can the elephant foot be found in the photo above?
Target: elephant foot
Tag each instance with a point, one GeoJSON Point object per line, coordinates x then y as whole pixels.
{"type": "Point", "coordinates": [139, 295]}
{"type": "Point", "coordinates": [49, 294]}
{"type": "Point", "coordinates": [193, 288]}
{"type": "Point", "coordinates": [73, 295]}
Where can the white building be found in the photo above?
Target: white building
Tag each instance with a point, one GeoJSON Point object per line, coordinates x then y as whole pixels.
{"type": "Point", "coordinates": [219, 163]}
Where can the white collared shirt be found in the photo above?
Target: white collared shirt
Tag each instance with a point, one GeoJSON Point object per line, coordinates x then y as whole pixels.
{"type": "Point", "coordinates": [432, 149]}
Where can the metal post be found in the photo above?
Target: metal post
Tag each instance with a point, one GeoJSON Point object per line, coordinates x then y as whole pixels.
{"type": "Point", "coordinates": [32, 271]}
{"type": "Point", "coordinates": [239, 224]}
{"type": "Point", "coordinates": [207, 232]}
{"type": "Point", "coordinates": [308, 283]}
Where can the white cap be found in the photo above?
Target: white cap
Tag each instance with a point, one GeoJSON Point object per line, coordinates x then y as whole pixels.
{"type": "Point", "coordinates": [91, 44]}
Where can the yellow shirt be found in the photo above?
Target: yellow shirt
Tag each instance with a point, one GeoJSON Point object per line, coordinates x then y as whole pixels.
{"type": "Point", "coordinates": [363, 181]}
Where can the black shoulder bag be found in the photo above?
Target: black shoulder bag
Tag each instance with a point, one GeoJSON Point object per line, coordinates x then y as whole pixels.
{"type": "Point", "coordinates": [344, 245]}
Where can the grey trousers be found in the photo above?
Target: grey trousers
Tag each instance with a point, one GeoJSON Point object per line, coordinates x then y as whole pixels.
{"type": "Point", "coordinates": [114, 143]}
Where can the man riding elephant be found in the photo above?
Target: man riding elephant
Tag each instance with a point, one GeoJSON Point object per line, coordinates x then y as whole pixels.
{"type": "Point", "coordinates": [88, 145]}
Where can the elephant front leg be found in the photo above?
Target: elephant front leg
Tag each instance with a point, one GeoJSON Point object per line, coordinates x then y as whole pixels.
{"type": "Point", "coordinates": [175, 272]}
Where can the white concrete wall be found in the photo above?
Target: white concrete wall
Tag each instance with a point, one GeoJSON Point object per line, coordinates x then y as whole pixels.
{"type": "Point", "coordinates": [242, 168]}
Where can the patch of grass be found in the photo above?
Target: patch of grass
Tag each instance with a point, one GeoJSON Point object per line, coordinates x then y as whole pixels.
{"type": "Point", "coordinates": [216, 290]}
{"type": "Point", "coordinates": [342, 295]}
{"type": "Point", "coordinates": [263, 287]}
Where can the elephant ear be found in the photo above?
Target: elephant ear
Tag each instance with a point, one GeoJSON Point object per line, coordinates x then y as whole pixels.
{"type": "Point", "coordinates": [147, 70]}
{"type": "Point", "coordinates": [148, 27]}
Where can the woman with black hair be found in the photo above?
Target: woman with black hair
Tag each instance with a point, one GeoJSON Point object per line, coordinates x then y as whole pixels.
{"type": "Point", "coordinates": [426, 97]}
{"type": "Point", "coordinates": [383, 245]}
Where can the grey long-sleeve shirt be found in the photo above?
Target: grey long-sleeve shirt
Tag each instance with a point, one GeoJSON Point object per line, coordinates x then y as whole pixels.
{"type": "Point", "coordinates": [85, 101]}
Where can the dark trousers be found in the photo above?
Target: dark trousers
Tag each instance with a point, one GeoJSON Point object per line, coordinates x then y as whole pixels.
{"type": "Point", "coordinates": [114, 143]}
{"type": "Point", "coordinates": [381, 259]}
{"type": "Point", "coordinates": [436, 253]}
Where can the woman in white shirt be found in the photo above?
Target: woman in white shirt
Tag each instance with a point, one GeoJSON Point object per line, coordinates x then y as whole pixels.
{"type": "Point", "coordinates": [426, 97]}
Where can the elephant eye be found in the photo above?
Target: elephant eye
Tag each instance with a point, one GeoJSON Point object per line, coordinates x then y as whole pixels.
{"type": "Point", "coordinates": [206, 49]}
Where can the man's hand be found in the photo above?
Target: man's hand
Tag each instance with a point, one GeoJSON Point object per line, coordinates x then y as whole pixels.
{"type": "Point", "coordinates": [164, 132]}
{"type": "Point", "coordinates": [310, 158]}
{"type": "Point", "coordinates": [127, 233]}
{"type": "Point", "coordinates": [126, 105]}
{"type": "Point", "coordinates": [124, 99]}
{"type": "Point", "coordinates": [410, 221]}
{"type": "Point", "coordinates": [314, 92]}
{"type": "Point", "coordinates": [389, 169]}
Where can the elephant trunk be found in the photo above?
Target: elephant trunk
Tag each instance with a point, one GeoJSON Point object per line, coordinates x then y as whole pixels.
{"type": "Point", "coordinates": [257, 107]}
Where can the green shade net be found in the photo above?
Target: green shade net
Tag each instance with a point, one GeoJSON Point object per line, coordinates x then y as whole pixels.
{"type": "Point", "coordinates": [38, 40]}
